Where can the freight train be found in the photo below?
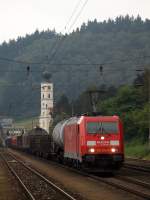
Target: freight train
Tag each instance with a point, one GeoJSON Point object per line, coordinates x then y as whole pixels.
{"type": "Point", "coordinates": [89, 142]}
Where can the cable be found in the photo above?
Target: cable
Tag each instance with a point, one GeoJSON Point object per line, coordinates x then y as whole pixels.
{"type": "Point", "coordinates": [36, 87]}
{"type": "Point", "coordinates": [66, 64]}
{"type": "Point", "coordinates": [55, 45]}
{"type": "Point", "coordinates": [64, 38]}
{"type": "Point", "coordinates": [68, 70]}
{"type": "Point", "coordinates": [78, 15]}
{"type": "Point", "coordinates": [74, 11]}
{"type": "Point", "coordinates": [21, 62]}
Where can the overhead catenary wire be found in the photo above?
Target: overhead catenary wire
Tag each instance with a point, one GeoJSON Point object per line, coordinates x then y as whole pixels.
{"type": "Point", "coordinates": [68, 70]}
{"type": "Point", "coordinates": [53, 49]}
{"type": "Point", "coordinates": [36, 86]}
{"type": "Point", "coordinates": [73, 13]}
{"type": "Point", "coordinates": [58, 45]}
{"type": "Point", "coordinates": [56, 42]}
{"type": "Point", "coordinates": [78, 15]}
{"type": "Point", "coordinates": [66, 64]}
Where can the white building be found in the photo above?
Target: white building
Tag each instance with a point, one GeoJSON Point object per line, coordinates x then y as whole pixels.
{"type": "Point", "coordinates": [6, 122]}
{"type": "Point", "coordinates": [46, 105]}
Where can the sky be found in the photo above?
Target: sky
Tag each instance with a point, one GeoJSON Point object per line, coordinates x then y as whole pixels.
{"type": "Point", "coordinates": [21, 17]}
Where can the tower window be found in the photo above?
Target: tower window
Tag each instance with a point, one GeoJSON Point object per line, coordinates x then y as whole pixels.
{"type": "Point", "coordinates": [46, 105]}
{"type": "Point", "coordinates": [43, 96]}
{"type": "Point", "coordinates": [49, 96]}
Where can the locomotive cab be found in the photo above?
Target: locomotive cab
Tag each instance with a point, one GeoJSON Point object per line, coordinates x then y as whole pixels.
{"type": "Point", "coordinates": [102, 139]}
{"type": "Point", "coordinates": [94, 142]}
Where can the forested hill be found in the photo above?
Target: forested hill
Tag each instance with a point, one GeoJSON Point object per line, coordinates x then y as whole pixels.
{"type": "Point", "coordinates": [121, 45]}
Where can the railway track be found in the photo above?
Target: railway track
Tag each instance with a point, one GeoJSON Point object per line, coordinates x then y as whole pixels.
{"type": "Point", "coordinates": [140, 189]}
{"type": "Point", "coordinates": [131, 185]}
{"type": "Point", "coordinates": [137, 167]}
{"type": "Point", "coordinates": [138, 160]}
{"type": "Point", "coordinates": [137, 164]}
{"type": "Point", "coordinates": [128, 184]}
{"type": "Point", "coordinates": [35, 185]}
{"type": "Point", "coordinates": [8, 184]}
{"type": "Point", "coordinates": [134, 180]}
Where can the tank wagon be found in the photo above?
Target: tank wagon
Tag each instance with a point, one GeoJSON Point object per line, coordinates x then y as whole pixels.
{"type": "Point", "coordinates": [91, 142]}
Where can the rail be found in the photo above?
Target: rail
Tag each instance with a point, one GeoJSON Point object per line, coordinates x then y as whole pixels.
{"type": "Point", "coordinates": [32, 193]}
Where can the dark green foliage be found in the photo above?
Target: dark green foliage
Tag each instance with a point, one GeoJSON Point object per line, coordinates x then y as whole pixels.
{"type": "Point", "coordinates": [95, 42]}
{"type": "Point", "coordinates": [129, 102]}
{"type": "Point", "coordinates": [82, 105]}
{"type": "Point", "coordinates": [62, 110]}
{"type": "Point", "coordinates": [132, 106]}
{"type": "Point", "coordinates": [63, 105]}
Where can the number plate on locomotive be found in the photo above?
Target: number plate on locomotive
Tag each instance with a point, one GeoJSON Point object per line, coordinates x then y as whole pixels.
{"type": "Point", "coordinates": [103, 142]}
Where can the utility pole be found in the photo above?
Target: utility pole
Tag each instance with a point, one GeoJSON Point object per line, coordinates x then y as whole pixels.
{"type": "Point", "coordinates": [94, 94]}
{"type": "Point", "coordinates": [149, 104]}
{"type": "Point", "coordinates": [32, 124]}
{"type": "Point", "coordinates": [142, 70]}
{"type": "Point", "coordinates": [72, 108]}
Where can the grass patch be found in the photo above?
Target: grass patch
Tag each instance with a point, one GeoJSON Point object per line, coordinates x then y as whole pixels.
{"type": "Point", "coordinates": [137, 150]}
{"type": "Point", "coordinates": [27, 123]}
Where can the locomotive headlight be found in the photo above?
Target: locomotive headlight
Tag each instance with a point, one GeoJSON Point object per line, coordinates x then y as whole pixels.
{"type": "Point", "coordinates": [113, 150]}
{"type": "Point", "coordinates": [91, 150]}
{"type": "Point", "coordinates": [102, 138]}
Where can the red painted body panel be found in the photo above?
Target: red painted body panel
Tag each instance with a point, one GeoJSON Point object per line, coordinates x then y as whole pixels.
{"type": "Point", "coordinates": [14, 141]}
{"type": "Point", "coordinates": [76, 138]}
{"type": "Point", "coordinates": [71, 140]}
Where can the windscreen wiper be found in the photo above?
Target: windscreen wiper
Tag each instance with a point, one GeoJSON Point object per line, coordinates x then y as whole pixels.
{"type": "Point", "coordinates": [103, 130]}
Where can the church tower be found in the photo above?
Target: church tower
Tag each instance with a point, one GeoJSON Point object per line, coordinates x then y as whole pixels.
{"type": "Point", "coordinates": [46, 117]}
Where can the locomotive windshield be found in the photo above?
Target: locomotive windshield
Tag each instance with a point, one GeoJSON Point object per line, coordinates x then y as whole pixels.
{"type": "Point", "coordinates": [102, 127]}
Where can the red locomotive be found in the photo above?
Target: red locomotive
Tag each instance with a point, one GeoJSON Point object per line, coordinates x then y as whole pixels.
{"type": "Point", "coordinates": [93, 142]}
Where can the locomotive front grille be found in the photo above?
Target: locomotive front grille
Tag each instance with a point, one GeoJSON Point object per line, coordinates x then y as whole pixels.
{"type": "Point", "coordinates": [102, 157]}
